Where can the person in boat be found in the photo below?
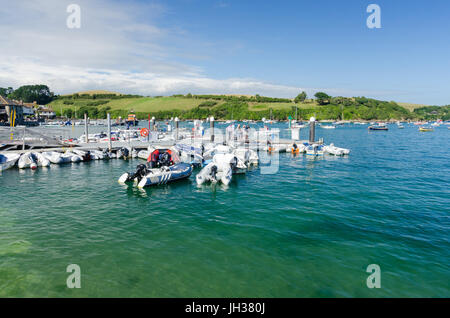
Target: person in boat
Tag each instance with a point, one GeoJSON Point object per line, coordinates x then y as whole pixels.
{"type": "Point", "coordinates": [158, 159]}
{"type": "Point", "coordinates": [295, 148]}
{"type": "Point", "coordinates": [269, 146]}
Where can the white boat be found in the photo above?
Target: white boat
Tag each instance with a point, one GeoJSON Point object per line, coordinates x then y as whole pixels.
{"type": "Point", "coordinates": [333, 150]}
{"type": "Point", "coordinates": [327, 127]}
{"type": "Point", "coordinates": [85, 155]}
{"type": "Point", "coordinates": [222, 168]}
{"type": "Point", "coordinates": [144, 154]}
{"type": "Point", "coordinates": [126, 152]}
{"type": "Point", "coordinates": [41, 160]}
{"type": "Point", "coordinates": [297, 148]}
{"type": "Point", "coordinates": [70, 156]}
{"type": "Point", "coordinates": [8, 160]}
{"type": "Point", "coordinates": [248, 156]}
{"type": "Point", "coordinates": [164, 166]}
{"type": "Point", "coordinates": [314, 150]}
{"type": "Point", "coordinates": [53, 156]}
{"type": "Point", "coordinates": [98, 155]}
{"type": "Point", "coordinates": [28, 160]}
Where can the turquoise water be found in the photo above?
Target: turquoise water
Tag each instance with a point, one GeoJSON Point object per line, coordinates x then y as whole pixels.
{"type": "Point", "coordinates": [309, 230]}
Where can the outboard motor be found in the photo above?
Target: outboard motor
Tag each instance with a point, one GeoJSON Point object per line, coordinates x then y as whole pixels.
{"type": "Point", "coordinates": [213, 171]}
{"type": "Point", "coordinates": [87, 156]}
{"type": "Point", "coordinates": [124, 153]}
{"type": "Point", "coordinates": [141, 171]}
{"type": "Point", "coordinates": [234, 164]}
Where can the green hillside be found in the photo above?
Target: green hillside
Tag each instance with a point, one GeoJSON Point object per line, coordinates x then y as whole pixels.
{"type": "Point", "coordinates": [229, 107]}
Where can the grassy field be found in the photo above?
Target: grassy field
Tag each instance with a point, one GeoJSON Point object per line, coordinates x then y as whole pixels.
{"type": "Point", "coordinates": [92, 92]}
{"type": "Point", "coordinates": [265, 106]}
{"type": "Point", "coordinates": [142, 104]}
{"type": "Point", "coordinates": [410, 106]}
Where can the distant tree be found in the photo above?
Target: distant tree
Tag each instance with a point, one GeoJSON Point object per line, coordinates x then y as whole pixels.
{"type": "Point", "coordinates": [6, 91]}
{"type": "Point", "coordinates": [322, 98]}
{"type": "Point", "coordinates": [33, 93]}
{"type": "Point", "coordinates": [300, 97]}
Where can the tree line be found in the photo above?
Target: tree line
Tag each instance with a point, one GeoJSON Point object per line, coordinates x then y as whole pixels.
{"type": "Point", "coordinates": [40, 94]}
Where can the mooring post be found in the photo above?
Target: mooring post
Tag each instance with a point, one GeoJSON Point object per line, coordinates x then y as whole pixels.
{"type": "Point", "coordinates": [86, 128]}
{"type": "Point", "coordinates": [23, 138]}
{"type": "Point", "coordinates": [312, 130]}
{"type": "Point", "coordinates": [153, 123]}
{"type": "Point", "coordinates": [109, 132]}
{"type": "Point", "coordinates": [211, 123]}
{"type": "Point", "coordinates": [176, 128]}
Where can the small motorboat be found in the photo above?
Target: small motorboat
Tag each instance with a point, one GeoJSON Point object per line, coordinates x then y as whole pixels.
{"type": "Point", "coordinates": [98, 155]}
{"type": "Point", "coordinates": [8, 160]}
{"type": "Point", "coordinates": [314, 150]}
{"type": "Point", "coordinates": [333, 150]}
{"type": "Point", "coordinates": [378, 127]}
{"type": "Point", "coordinates": [28, 160]}
{"type": "Point", "coordinates": [41, 160]}
{"type": "Point", "coordinates": [85, 155]}
{"type": "Point", "coordinates": [163, 166]}
{"type": "Point", "coordinates": [126, 153]}
{"type": "Point", "coordinates": [327, 127]}
{"type": "Point", "coordinates": [296, 149]}
{"type": "Point", "coordinates": [53, 156]}
{"type": "Point", "coordinates": [222, 168]}
{"type": "Point", "coordinates": [248, 156]}
{"type": "Point", "coordinates": [69, 156]}
{"type": "Point", "coordinates": [425, 129]}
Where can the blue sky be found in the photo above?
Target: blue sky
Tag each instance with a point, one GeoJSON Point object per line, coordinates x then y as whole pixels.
{"type": "Point", "coordinates": [274, 48]}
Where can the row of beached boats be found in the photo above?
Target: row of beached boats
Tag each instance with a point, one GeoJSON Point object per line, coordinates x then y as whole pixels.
{"type": "Point", "coordinates": [34, 159]}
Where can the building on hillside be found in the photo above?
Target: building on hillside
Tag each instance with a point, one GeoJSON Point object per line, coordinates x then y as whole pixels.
{"type": "Point", "coordinates": [11, 111]}
{"type": "Point", "coordinates": [47, 113]}
{"type": "Point", "coordinates": [29, 109]}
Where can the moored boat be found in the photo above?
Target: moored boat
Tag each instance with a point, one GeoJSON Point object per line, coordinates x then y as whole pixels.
{"type": "Point", "coordinates": [333, 150]}
{"type": "Point", "coordinates": [28, 160]}
{"type": "Point", "coordinates": [425, 129]}
{"type": "Point", "coordinates": [8, 160]}
{"type": "Point", "coordinates": [163, 166]}
{"type": "Point", "coordinates": [53, 156]}
{"type": "Point", "coordinates": [314, 150]}
{"type": "Point", "coordinates": [378, 127]}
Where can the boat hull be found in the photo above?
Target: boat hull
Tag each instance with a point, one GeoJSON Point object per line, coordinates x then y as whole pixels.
{"type": "Point", "coordinates": [166, 175]}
